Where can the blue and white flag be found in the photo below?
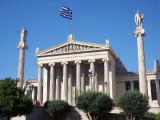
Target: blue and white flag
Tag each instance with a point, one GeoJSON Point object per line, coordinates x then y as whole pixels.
{"type": "Point", "coordinates": [66, 12]}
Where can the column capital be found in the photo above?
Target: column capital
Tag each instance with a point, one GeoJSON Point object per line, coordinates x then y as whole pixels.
{"type": "Point", "coordinates": [51, 64]}
{"type": "Point", "coordinates": [39, 65]}
{"type": "Point", "coordinates": [139, 32]}
{"type": "Point", "coordinates": [78, 61]}
{"type": "Point", "coordinates": [106, 59]}
{"type": "Point", "coordinates": [64, 63]}
{"type": "Point", "coordinates": [91, 60]}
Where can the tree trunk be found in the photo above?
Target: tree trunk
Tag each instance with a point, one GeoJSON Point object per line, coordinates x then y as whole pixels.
{"type": "Point", "coordinates": [8, 117]}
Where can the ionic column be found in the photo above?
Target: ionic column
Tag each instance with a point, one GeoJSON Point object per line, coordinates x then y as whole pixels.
{"type": "Point", "coordinates": [139, 34]}
{"type": "Point", "coordinates": [52, 81]}
{"type": "Point", "coordinates": [40, 83]}
{"type": "Point", "coordinates": [82, 81]}
{"type": "Point", "coordinates": [149, 90]}
{"type": "Point", "coordinates": [65, 81]}
{"type": "Point", "coordinates": [70, 87]}
{"type": "Point", "coordinates": [78, 77]}
{"type": "Point", "coordinates": [106, 76]}
{"type": "Point", "coordinates": [46, 80]}
{"type": "Point", "coordinates": [92, 74]}
{"type": "Point", "coordinates": [22, 46]}
{"type": "Point", "coordinates": [58, 84]}
{"type": "Point", "coordinates": [96, 82]}
{"type": "Point", "coordinates": [132, 85]}
{"type": "Point", "coordinates": [157, 90]}
{"type": "Point", "coordinates": [33, 93]}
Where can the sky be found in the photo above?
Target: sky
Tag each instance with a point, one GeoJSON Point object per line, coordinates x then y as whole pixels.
{"type": "Point", "coordinates": [93, 21]}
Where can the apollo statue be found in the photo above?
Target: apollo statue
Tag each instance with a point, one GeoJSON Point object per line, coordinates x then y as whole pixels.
{"type": "Point", "coordinates": [138, 19]}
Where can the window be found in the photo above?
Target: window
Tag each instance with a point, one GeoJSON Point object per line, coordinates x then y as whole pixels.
{"type": "Point", "coordinates": [128, 85]}
{"type": "Point", "coordinates": [153, 90]}
{"type": "Point", "coordinates": [136, 85]}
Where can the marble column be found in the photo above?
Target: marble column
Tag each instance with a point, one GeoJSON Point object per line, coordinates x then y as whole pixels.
{"type": "Point", "coordinates": [92, 70]}
{"type": "Point", "coordinates": [46, 81]}
{"type": "Point", "coordinates": [157, 90]}
{"type": "Point", "coordinates": [139, 33]}
{"type": "Point", "coordinates": [70, 87]}
{"type": "Point", "coordinates": [58, 91]}
{"type": "Point", "coordinates": [78, 77]}
{"type": "Point", "coordinates": [132, 85]}
{"type": "Point", "coordinates": [65, 81]}
{"type": "Point", "coordinates": [33, 94]}
{"type": "Point", "coordinates": [106, 75]}
{"type": "Point", "coordinates": [149, 90]}
{"type": "Point", "coordinates": [52, 81]}
{"type": "Point", "coordinates": [83, 80]}
{"type": "Point", "coordinates": [22, 46]}
{"type": "Point", "coordinates": [40, 83]}
{"type": "Point", "coordinates": [96, 82]}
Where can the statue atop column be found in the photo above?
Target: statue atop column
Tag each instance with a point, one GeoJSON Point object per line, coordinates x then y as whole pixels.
{"type": "Point", "coordinates": [22, 46]}
{"type": "Point", "coordinates": [138, 19]}
{"type": "Point", "coordinates": [23, 39]}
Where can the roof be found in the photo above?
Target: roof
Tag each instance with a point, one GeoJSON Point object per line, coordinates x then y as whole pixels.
{"type": "Point", "coordinates": [74, 46]}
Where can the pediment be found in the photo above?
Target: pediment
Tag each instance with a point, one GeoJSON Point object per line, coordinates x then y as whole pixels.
{"type": "Point", "coordinates": [71, 47]}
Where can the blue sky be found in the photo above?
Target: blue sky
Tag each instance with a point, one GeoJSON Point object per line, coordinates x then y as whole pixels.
{"type": "Point", "coordinates": [93, 21]}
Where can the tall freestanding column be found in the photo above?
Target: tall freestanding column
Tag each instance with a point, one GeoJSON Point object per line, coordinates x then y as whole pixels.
{"type": "Point", "coordinates": [139, 33]}
{"type": "Point", "coordinates": [22, 46]}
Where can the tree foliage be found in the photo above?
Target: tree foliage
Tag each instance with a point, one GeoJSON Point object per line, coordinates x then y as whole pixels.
{"type": "Point", "coordinates": [57, 109]}
{"type": "Point", "coordinates": [95, 104]}
{"type": "Point", "coordinates": [134, 104]}
{"type": "Point", "coordinates": [13, 102]}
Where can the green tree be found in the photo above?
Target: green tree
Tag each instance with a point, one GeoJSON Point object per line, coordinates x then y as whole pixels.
{"type": "Point", "coordinates": [13, 102]}
{"type": "Point", "coordinates": [95, 104]}
{"type": "Point", "coordinates": [57, 109]}
{"type": "Point", "coordinates": [134, 104]}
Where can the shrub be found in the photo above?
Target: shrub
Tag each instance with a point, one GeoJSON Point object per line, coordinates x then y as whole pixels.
{"type": "Point", "coordinates": [57, 108]}
{"type": "Point", "coordinates": [134, 104]}
{"type": "Point", "coordinates": [150, 115]}
{"type": "Point", "coordinates": [95, 104]}
{"type": "Point", "coordinates": [158, 116]}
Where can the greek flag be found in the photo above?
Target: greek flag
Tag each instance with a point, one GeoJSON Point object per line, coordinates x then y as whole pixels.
{"type": "Point", "coordinates": [66, 12]}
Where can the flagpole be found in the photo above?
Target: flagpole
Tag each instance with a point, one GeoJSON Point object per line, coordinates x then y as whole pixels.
{"type": "Point", "coordinates": [71, 27]}
{"type": "Point", "coordinates": [71, 23]}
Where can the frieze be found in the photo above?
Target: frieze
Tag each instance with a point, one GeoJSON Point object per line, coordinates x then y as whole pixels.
{"type": "Point", "coordinates": [71, 48]}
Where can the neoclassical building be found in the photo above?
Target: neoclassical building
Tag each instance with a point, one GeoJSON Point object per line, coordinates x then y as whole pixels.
{"type": "Point", "coordinates": [73, 67]}
{"type": "Point", "coordinates": [67, 69]}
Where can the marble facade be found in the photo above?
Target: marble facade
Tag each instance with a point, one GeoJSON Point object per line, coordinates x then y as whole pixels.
{"type": "Point", "coordinates": [72, 67]}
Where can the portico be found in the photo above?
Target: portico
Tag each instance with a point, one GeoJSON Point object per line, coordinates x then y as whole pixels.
{"type": "Point", "coordinates": [70, 68]}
